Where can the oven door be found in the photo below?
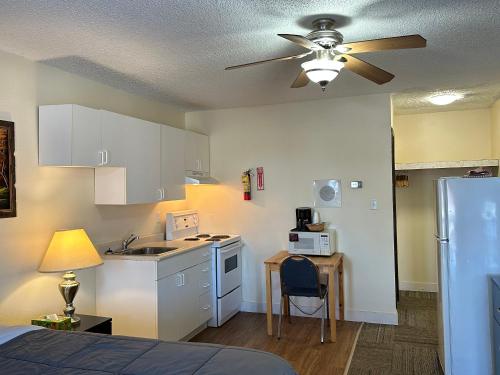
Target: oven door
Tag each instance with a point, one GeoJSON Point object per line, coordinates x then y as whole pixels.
{"type": "Point", "coordinates": [228, 268]}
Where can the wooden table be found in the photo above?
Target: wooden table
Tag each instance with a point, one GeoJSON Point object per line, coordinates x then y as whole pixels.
{"type": "Point", "coordinates": [328, 265]}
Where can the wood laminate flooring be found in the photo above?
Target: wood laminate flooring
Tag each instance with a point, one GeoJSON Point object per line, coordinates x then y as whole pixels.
{"type": "Point", "coordinates": [300, 342]}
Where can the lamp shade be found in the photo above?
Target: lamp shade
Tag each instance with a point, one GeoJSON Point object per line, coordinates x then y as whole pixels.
{"type": "Point", "coordinates": [70, 250]}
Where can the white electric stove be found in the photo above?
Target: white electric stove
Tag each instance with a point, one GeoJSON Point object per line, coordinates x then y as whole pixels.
{"type": "Point", "coordinates": [226, 262]}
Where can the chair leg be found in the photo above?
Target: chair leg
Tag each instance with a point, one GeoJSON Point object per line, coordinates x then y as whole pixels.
{"type": "Point", "coordinates": [323, 310]}
{"type": "Point", "coordinates": [327, 298]}
{"type": "Point", "coordinates": [280, 318]}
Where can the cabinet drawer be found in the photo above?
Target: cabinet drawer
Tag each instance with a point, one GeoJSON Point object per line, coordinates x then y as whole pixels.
{"type": "Point", "coordinates": [180, 262]}
{"type": "Point", "coordinates": [205, 307]}
{"type": "Point", "coordinates": [205, 282]}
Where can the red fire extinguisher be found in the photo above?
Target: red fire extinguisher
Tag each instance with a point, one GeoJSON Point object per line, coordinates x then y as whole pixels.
{"type": "Point", "coordinates": [247, 184]}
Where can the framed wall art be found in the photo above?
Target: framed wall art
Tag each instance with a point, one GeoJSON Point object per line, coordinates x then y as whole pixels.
{"type": "Point", "coordinates": [7, 170]}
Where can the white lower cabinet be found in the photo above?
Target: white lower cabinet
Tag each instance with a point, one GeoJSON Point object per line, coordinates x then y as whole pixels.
{"type": "Point", "coordinates": [168, 299]}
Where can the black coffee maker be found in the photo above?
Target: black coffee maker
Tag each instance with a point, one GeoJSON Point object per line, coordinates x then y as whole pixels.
{"type": "Point", "coordinates": [303, 216]}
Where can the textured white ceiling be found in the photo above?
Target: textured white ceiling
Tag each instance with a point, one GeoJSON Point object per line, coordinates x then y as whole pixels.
{"type": "Point", "coordinates": [175, 51]}
{"type": "Point", "coordinates": [473, 98]}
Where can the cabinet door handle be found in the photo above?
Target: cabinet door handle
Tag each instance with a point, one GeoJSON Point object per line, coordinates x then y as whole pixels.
{"type": "Point", "coordinates": [206, 285]}
{"type": "Point", "coordinates": [101, 158]}
{"type": "Point", "coordinates": [178, 282]}
{"type": "Point", "coordinates": [205, 269]}
{"type": "Point", "coordinates": [161, 195]}
{"type": "Point", "coordinates": [183, 280]}
{"type": "Point", "coordinates": [205, 254]}
{"type": "Point", "coordinates": [205, 307]}
{"type": "Point", "coordinates": [105, 157]}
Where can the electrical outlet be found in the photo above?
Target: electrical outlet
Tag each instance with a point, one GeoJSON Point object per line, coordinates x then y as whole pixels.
{"type": "Point", "coordinates": [373, 204]}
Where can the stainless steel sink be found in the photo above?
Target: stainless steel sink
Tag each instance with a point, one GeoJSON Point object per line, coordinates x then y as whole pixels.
{"type": "Point", "coordinates": [149, 250]}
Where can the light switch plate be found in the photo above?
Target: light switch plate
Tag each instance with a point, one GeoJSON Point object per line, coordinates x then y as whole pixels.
{"type": "Point", "coordinates": [356, 184]}
{"type": "Point", "coordinates": [373, 204]}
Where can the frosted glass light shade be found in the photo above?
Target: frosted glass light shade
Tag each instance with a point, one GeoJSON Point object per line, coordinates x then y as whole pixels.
{"type": "Point", "coordinates": [70, 250]}
{"type": "Point", "coordinates": [319, 70]}
{"type": "Point", "coordinates": [445, 98]}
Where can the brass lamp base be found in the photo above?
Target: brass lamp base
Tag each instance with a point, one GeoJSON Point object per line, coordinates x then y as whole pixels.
{"type": "Point", "coordinates": [68, 288]}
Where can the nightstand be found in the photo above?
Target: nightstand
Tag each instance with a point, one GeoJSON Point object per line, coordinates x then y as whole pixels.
{"type": "Point", "coordinates": [95, 324]}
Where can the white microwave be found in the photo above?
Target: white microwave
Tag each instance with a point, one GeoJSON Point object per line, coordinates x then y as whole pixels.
{"type": "Point", "coordinates": [312, 243]}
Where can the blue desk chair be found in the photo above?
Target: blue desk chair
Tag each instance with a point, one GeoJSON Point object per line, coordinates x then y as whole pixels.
{"type": "Point", "coordinates": [300, 277]}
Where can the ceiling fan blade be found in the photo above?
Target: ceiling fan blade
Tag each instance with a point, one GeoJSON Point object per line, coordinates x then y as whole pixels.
{"type": "Point", "coordinates": [284, 58]}
{"type": "Point", "coordinates": [302, 41]}
{"type": "Point", "coordinates": [398, 42]}
{"type": "Point", "coordinates": [367, 70]}
{"type": "Point", "coordinates": [300, 81]}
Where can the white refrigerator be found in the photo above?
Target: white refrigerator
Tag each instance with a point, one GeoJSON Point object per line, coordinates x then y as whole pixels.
{"type": "Point", "coordinates": [468, 252]}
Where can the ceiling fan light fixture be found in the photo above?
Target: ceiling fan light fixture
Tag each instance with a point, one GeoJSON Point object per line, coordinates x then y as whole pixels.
{"type": "Point", "coordinates": [445, 98]}
{"type": "Point", "coordinates": [322, 71]}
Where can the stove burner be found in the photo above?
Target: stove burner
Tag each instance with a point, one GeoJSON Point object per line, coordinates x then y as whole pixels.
{"type": "Point", "coordinates": [191, 239]}
{"type": "Point", "coordinates": [203, 236]}
{"type": "Point", "coordinates": [220, 237]}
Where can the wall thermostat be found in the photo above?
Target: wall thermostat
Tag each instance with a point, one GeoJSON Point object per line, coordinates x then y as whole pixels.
{"type": "Point", "coordinates": [356, 184]}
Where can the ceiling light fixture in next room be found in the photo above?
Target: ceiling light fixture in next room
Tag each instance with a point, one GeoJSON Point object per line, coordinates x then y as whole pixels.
{"type": "Point", "coordinates": [445, 98]}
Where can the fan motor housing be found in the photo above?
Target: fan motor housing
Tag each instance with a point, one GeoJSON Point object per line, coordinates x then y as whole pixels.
{"type": "Point", "coordinates": [324, 34]}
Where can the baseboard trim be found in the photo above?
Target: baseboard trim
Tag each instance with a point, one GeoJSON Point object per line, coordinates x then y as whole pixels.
{"type": "Point", "coordinates": [375, 317]}
{"type": "Point", "coordinates": [418, 286]}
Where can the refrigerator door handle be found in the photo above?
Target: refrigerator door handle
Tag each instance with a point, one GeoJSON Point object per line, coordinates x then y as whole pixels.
{"type": "Point", "coordinates": [441, 209]}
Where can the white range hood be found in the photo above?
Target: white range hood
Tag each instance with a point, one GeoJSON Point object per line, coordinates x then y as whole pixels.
{"type": "Point", "coordinates": [201, 180]}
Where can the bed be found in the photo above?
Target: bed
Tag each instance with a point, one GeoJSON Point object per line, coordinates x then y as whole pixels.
{"type": "Point", "coordinates": [31, 350]}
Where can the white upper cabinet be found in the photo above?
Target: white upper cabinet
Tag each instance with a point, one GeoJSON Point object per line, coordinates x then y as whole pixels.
{"type": "Point", "coordinates": [172, 166]}
{"type": "Point", "coordinates": [69, 135]}
{"type": "Point", "coordinates": [134, 145]}
{"type": "Point", "coordinates": [135, 161]}
{"type": "Point", "coordinates": [197, 154]}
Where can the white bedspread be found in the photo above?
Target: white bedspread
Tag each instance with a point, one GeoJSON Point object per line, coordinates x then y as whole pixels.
{"type": "Point", "coordinates": [8, 333]}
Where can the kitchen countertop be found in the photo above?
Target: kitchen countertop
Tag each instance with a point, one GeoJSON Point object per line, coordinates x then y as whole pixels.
{"type": "Point", "coordinates": [182, 247]}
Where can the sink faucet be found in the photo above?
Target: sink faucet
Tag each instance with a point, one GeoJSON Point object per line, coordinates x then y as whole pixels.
{"type": "Point", "coordinates": [126, 243]}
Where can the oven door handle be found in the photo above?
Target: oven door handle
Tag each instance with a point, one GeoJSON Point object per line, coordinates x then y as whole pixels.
{"type": "Point", "coordinates": [231, 248]}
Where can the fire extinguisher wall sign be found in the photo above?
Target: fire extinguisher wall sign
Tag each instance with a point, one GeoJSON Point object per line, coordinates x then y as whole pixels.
{"type": "Point", "coordinates": [260, 178]}
{"type": "Point", "coordinates": [247, 184]}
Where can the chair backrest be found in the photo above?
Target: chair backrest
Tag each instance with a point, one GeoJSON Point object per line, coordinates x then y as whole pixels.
{"type": "Point", "coordinates": [299, 274]}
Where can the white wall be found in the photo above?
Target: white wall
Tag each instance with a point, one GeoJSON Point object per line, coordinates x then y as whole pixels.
{"type": "Point", "coordinates": [415, 222]}
{"type": "Point", "coordinates": [495, 129]}
{"type": "Point", "coordinates": [53, 198]}
{"type": "Point", "coordinates": [348, 139]}
{"type": "Point", "coordinates": [436, 136]}
{"type": "Point", "coordinates": [443, 136]}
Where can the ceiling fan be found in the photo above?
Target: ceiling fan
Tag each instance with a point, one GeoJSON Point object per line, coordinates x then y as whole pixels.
{"type": "Point", "coordinates": [331, 54]}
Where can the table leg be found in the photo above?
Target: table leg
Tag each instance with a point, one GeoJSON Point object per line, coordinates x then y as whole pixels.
{"type": "Point", "coordinates": [269, 301]}
{"type": "Point", "coordinates": [331, 304]}
{"type": "Point", "coordinates": [341, 290]}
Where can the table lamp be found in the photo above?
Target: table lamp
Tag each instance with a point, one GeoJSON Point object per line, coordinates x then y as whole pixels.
{"type": "Point", "coordinates": [70, 250]}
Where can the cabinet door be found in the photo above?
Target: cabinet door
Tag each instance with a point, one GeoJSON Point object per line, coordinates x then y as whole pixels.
{"type": "Point", "coordinates": [68, 135]}
{"type": "Point", "coordinates": [86, 145]}
{"type": "Point", "coordinates": [143, 162]}
{"type": "Point", "coordinates": [169, 307]}
{"type": "Point", "coordinates": [191, 155]}
{"type": "Point", "coordinates": [115, 138]}
{"type": "Point", "coordinates": [133, 144]}
{"type": "Point", "coordinates": [203, 148]}
{"type": "Point", "coordinates": [172, 163]}
{"type": "Point", "coordinates": [190, 301]}
{"type": "Point", "coordinates": [197, 157]}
